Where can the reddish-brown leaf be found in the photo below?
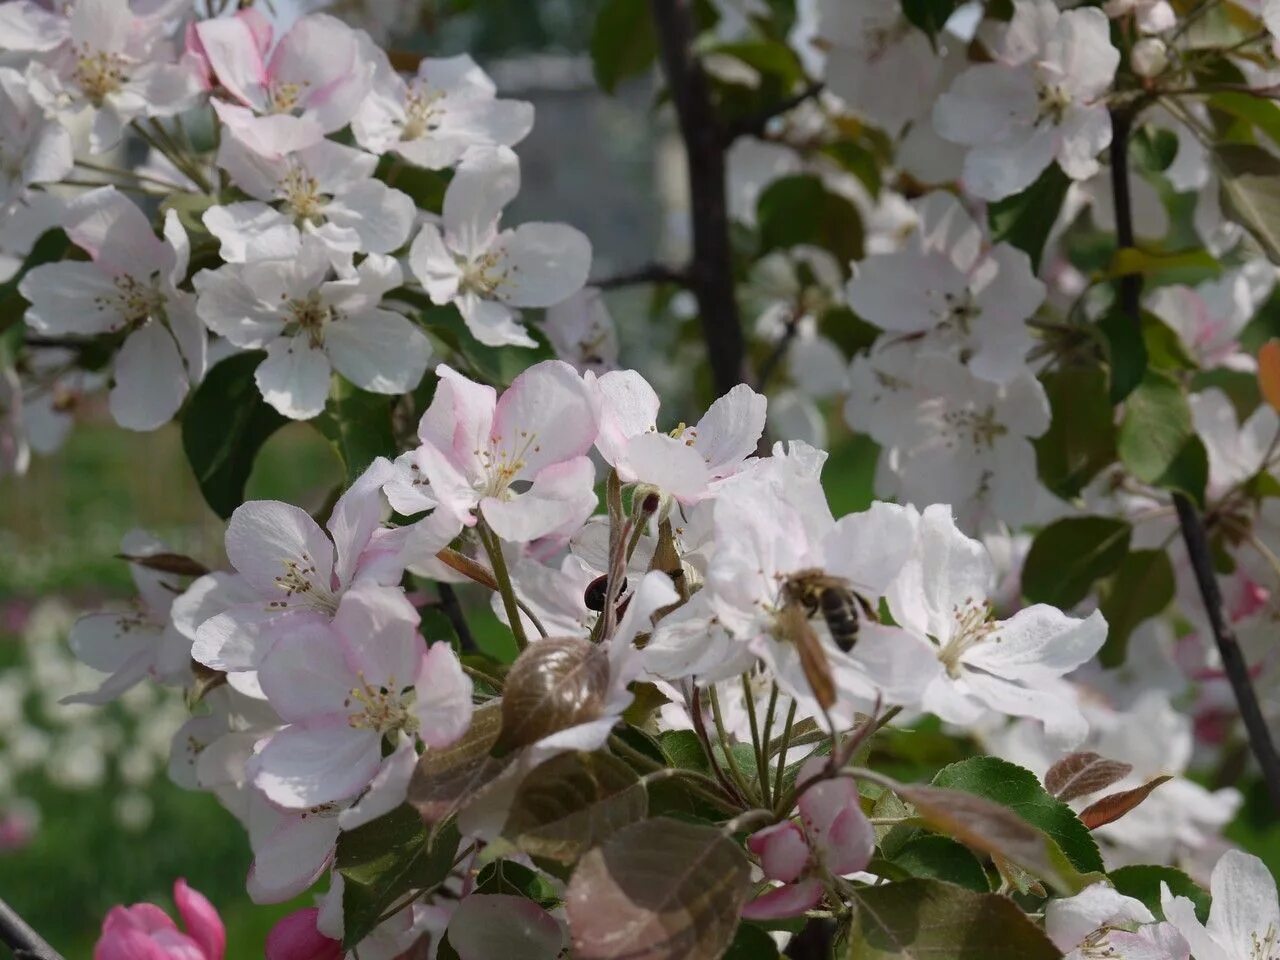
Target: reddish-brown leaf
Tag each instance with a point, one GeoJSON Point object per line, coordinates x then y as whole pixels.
{"type": "Point", "coordinates": [1114, 806]}
{"type": "Point", "coordinates": [1269, 372]}
{"type": "Point", "coordinates": [446, 779]}
{"type": "Point", "coordinates": [553, 685]}
{"type": "Point", "coordinates": [175, 563]}
{"type": "Point", "coordinates": [1078, 774]}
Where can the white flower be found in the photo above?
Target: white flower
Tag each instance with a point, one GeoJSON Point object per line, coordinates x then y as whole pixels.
{"type": "Point", "coordinates": [582, 332]}
{"type": "Point", "coordinates": [1210, 318]}
{"type": "Point", "coordinates": [1100, 923]}
{"type": "Point", "coordinates": [967, 300]}
{"type": "Point", "coordinates": [33, 149]}
{"type": "Point", "coordinates": [326, 189]}
{"type": "Point", "coordinates": [1010, 666]}
{"type": "Point", "coordinates": [486, 272]}
{"type": "Point", "coordinates": [115, 66]}
{"type": "Point", "coordinates": [312, 319]}
{"type": "Point", "coordinates": [1040, 101]}
{"type": "Point", "coordinates": [1244, 920]}
{"type": "Point", "coordinates": [877, 62]}
{"type": "Point", "coordinates": [128, 287]}
{"type": "Point", "coordinates": [433, 118]}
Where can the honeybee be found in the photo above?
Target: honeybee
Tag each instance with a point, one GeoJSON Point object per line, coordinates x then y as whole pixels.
{"type": "Point", "coordinates": [810, 593]}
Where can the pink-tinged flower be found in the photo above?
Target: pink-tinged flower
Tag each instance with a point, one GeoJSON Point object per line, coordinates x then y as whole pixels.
{"type": "Point", "coordinates": [129, 286]}
{"type": "Point", "coordinates": [287, 98]}
{"type": "Point", "coordinates": [477, 447]}
{"type": "Point", "coordinates": [687, 462]}
{"type": "Point", "coordinates": [296, 938]}
{"type": "Point", "coordinates": [145, 932]}
{"type": "Point", "coordinates": [489, 273]}
{"type": "Point", "coordinates": [833, 836]}
{"type": "Point", "coordinates": [1244, 921]}
{"type": "Point", "coordinates": [345, 688]}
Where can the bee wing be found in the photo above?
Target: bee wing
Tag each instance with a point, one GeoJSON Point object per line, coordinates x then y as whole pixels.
{"type": "Point", "coordinates": [813, 661]}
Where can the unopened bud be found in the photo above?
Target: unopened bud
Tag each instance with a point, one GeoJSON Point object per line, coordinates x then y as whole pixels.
{"type": "Point", "coordinates": [1149, 57]}
{"type": "Point", "coordinates": [594, 595]}
{"type": "Point", "coordinates": [648, 501]}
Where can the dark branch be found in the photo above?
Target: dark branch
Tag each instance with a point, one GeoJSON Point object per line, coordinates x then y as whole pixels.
{"type": "Point", "coordinates": [711, 272]}
{"type": "Point", "coordinates": [1189, 519]}
{"type": "Point", "coordinates": [652, 273]}
{"type": "Point", "coordinates": [757, 125]}
{"type": "Point", "coordinates": [18, 936]}
{"type": "Point", "coordinates": [778, 354]}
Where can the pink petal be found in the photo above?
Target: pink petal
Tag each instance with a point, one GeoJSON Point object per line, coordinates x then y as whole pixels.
{"type": "Point", "coordinates": [127, 944]}
{"type": "Point", "coordinates": [782, 850]}
{"type": "Point", "coordinates": [790, 900]}
{"type": "Point", "coordinates": [201, 920]}
{"type": "Point", "coordinates": [849, 844]}
{"type": "Point", "coordinates": [296, 938]}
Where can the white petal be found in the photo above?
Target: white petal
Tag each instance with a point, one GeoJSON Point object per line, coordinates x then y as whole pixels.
{"type": "Point", "coordinates": [487, 179]}
{"type": "Point", "coordinates": [378, 350]}
{"type": "Point", "coordinates": [302, 766]}
{"type": "Point", "coordinates": [380, 216]}
{"type": "Point", "coordinates": [294, 377]}
{"type": "Point", "coordinates": [267, 540]}
{"type": "Point", "coordinates": [306, 675]}
{"type": "Point", "coordinates": [545, 263]}
{"type": "Point", "coordinates": [444, 697]}
{"type": "Point", "coordinates": [1244, 908]}
{"type": "Point", "coordinates": [729, 431]}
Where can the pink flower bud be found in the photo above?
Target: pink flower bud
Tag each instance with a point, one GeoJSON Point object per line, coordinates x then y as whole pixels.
{"type": "Point", "coordinates": [296, 938]}
{"type": "Point", "coordinates": [145, 932]}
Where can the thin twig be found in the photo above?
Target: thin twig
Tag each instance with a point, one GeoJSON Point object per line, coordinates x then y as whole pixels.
{"type": "Point", "coordinates": [755, 126]}
{"type": "Point", "coordinates": [18, 936]}
{"type": "Point", "coordinates": [651, 273]}
{"type": "Point", "coordinates": [704, 138]}
{"type": "Point", "coordinates": [452, 610]}
{"type": "Point", "coordinates": [1189, 519]}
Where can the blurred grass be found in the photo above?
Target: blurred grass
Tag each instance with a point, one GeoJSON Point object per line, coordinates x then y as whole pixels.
{"type": "Point", "coordinates": [60, 528]}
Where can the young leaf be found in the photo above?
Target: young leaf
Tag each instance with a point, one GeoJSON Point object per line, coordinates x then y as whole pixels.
{"type": "Point", "coordinates": [919, 919]}
{"type": "Point", "coordinates": [929, 15]}
{"type": "Point", "coordinates": [1017, 788]}
{"type": "Point", "coordinates": [358, 426]}
{"type": "Point", "coordinates": [447, 778]}
{"type": "Point", "coordinates": [225, 425]}
{"type": "Point", "coordinates": [1143, 883]}
{"type": "Point", "coordinates": [175, 563]}
{"type": "Point", "coordinates": [492, 925]}
{"type": "Point", "coordinates": [1079, 774]}
{"type": "Point", "coordinates": [623, 42]}
{"type": "Point", "coordinates": [1141, 588]}
{"type": "Point", "coordinates": [1251, 191]}
{"type": "Point", "coordinates": [1081, 439]}
{"type": "Point", "coordinates": [1156, 426]}
{"type": "Point", "coordinates": [994, 829]}
{"type": "Point", "coordinates": [553, 685]}
{"type": "Point", "coordinates": [660, 889]}
{"type": "Point", "coordinates": [383, 860]}
{"type": "Point", "coordinates": [1126, 353]}
{"type": "Point", "coordinates": [1067, 556]}
{"type": "Point", "coordinates": [53, 245]}
{"type": "Point", "coordinates": [1269, 372]}
{"type": "Point", "coordinates": [941, 858]}
{"type": "Point", "coordinates": [573, 802]}
{"type": "Point", "coordinates": [1114, 806]}
{"type": "Point", "coordinates": [801, 210]}
{"type": "Point", "coordinates": [1026, 218]}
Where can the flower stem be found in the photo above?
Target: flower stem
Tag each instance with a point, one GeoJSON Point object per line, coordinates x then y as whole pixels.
{"type": "Point", "coordinates": [722, 734]}
{"type": "Point", "coordinates": [493, 547]}
{"type": "Point", "coordinates": [782, 755]}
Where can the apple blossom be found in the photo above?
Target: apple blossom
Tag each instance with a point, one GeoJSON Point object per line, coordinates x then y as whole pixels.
{"type": "Point", "coordinates": [433, 118]}
{"type": "Point", "coordinates": [313, 318]}
{"type": "Point", "coordinates": [488, 273]}
{"type": "Point", "coordinates": [1040, 101]}
{"type": "Point", "coordinates": [145, 932]}
{"type": "Point", "coordinates": [1244, 921]}
{"type": "Point", "coordinates": [128, 286]}
{"type": "Point", "coordinates": [1099, 922]}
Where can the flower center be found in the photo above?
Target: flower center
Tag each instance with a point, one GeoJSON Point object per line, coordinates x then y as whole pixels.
{"type": "Point", "coordinates": [309, 316]}
{"type": "Point", "coordinates": [302, 194]}
{"type": "Point", "coordinates": [482, 275]}
{"type": "Point", "coordinates": [1052, 101]}
{"type": "Point", "coordinates": [1264, 948]}
{"type": "Point", "coordinates": [961, 311]}
{"type": "Point", "coordinates": [501, 465]}
{"type": "Point", "coordinates": [384, 709]}
{"type": "Point", "coordinates": [980, 426]}
{"type": "Point", "coordinates": [284, 97]}
{"type": "Point", "coordinates": [972, 626]}
{"type": "Point", "coordinates": [135, 300]}
{"type": "Point", "coordinates": [421, 113]}
{"type": "Point", "coordinates": [299, 581]}
{"type": "Point", "coordinates": [99, 73]}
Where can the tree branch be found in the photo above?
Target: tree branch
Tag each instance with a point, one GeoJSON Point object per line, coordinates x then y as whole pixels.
{"type": "Point", "coordinates": [711, 272]}
{"type": "Point", "coordinates": [1189, 519]}
{"type": "Point", "coordinates": [452, 610]}
{"type": "Point", "coordinates": [650, 273]}
{"type": "Point", "coordinates": [757, 125]}
{"type": "Point", "coordinates": [18, 936]}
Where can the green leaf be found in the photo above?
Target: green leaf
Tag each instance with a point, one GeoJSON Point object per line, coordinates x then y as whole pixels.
{"type": "Point", "coordinates": [1067, 556]}
{"type": "Point", "coordinates": [751, 943]}
{"type": "Point", "coordinates": [929, 15]}
{"type": "Point", "coordinates": [516, 880]}
{"type": "Point", "coordinates": [1026, 218]}
{"type": "Point", "coordinates": [661, 889]}
{"type": "Point", "coordinates": [1165, 350]}
{"type": "Point", "coordinates": [225, 425]}
{"type": "Point", "coordinates": [573, 802]}
{"type": "Point", "coordinates": [919, 919]}
{"type": "Point", "coordinates": [800, 210]}
{"type": "Point", "coordinates": [1189, 472]}
{"type": "Point", "coordinates": [684, 750]}
{"type": "Point", "coordinates": [1126, 353]}
{"type": "Point", "coordinates": [1081, 439]}
{"type": "Point", "coordinates": [425, 187]}
{"type": "Point", "coordinates": [1155, 427]}
{"type": "Point", "coordinates": [445, 779]}
{"type": "Point", "coordinates": [1251, 192]}
{"type": "Point", "coordinates": [1130, 260]}
{"type": "Point", "coordinates": [1143, 883]}
{"type": "Point", "coordinates": [384, 860]}
{"type": "Point", "coordinates": [941, 858]}
{"type": "Point", "coordinates": [1018, 789]}
{"type": "Point", "coordinates": [1141, 588]}
{"type": "Point", "coordinates": [1260, 112]}
{"type": "Point", "coordinates": [358, 426]}
{"type": "Point", "coordinates": [623, 42]}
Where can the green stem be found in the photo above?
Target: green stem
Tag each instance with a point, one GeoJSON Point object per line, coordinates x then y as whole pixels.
{"type": "Point", "coordinates": [734, 770]}
{"type": "Point", "coordinates": [701, 784]}
{"type": "Point", "coordinates": [493, 547]}
{"type": "Point", "coordinates": [782, 760]}
{"type": "Point", "coordinates": [762, 775]}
